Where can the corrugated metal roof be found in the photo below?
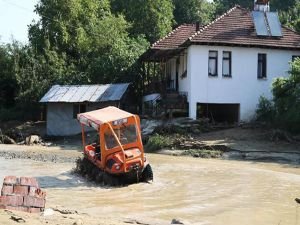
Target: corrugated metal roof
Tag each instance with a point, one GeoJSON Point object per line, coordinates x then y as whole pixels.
{"type": "Point", "coordinates": [85, 93]}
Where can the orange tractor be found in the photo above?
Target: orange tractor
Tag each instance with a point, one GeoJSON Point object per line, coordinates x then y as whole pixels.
{"type": "Point", "coordinates": [115, 155]}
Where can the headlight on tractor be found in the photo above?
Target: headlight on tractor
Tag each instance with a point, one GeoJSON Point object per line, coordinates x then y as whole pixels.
{"type": "Point", "coordinates": [117, 166]}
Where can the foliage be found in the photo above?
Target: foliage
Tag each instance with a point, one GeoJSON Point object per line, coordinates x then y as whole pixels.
{"type": "Point", "coordinates": [191, 11]}
{"type": "Point", "coordinates": [203, 153]}
{"type": "Point", "coordinates": [7, 79]}
{"type": "Point", "coordinates": [286, 92]}
{"type": "Point", "coordinates": [285, 108]}
{"type": "Point", "coordinates": [265, 110]}
{"type": "Point", "coordinates": [282, 5]}
{"type": "Point", "coordinates": [291, 17]}
{"type": "Point", "coordinates": [275, 5]}
{"type": "Point", "coordinates": [74, 42]}
{"type": "Point", "coordinates": [152, 18]}
{"type": "Point", "coordinates": [157, 142]}
{"type": "Point", "coordinates": [93, 44]}
{"type": "Point", "coordinates": [224, 5]}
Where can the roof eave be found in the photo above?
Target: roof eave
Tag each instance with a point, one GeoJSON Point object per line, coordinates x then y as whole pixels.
{"type": "Point", "coordinates": [188, 43]}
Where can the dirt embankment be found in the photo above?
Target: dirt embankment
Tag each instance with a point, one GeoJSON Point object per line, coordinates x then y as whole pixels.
{"type": "Point", "coordinates": [39, 153]}
{"type": "Point", "coordinates": [181, 136]}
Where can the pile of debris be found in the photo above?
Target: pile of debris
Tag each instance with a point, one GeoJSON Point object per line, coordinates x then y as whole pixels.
{"type": "Point", "coordinates": [181, 125]}
{"type": "Point", "coordinates": [187, 143]}
{"type": "Point", "coordinates": [28, 133]}
{"type": "Point", "coordinates": [22, 194]}
{"type": "Point", "coordinates": [29, 140]}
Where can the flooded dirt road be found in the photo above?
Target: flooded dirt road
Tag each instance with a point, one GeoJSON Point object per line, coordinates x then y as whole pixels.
{"type": "Point", "coordinates": [195, 191]}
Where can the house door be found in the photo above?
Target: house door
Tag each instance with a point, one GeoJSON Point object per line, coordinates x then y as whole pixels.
{"type": "Point", "coordinates": [177, 74]}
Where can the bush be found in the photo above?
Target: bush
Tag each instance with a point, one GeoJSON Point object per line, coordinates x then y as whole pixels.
{"type": "Point", "coordinates": [289, 120]}
{"type": "Point", "coordinates": [21, 112]}
{"type": "Point", "coordinates": [283, 111]}
{"type": "Point", "coordinates": [157, 142]}
{"type": "Point", "coordinates": [203, 153]}
{"type": "Point", "coordinates": [265, 110]}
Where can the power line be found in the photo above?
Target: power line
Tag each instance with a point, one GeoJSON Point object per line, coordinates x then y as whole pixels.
{"type": "Point", "coordinates": [18, 6]}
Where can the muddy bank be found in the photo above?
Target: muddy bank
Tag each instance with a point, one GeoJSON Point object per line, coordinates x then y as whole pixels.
{"type": "Point", "coordinates": [224, 152]}
{"type": "Point", "coordinates": [39, 156]}
{"type": "Point", "coordinates": [55, 154]}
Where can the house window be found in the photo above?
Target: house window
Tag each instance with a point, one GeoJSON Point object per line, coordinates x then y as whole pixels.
{"type": "Point", "coordinates": [226, 64]}
{"type": "Point", "coordinates": [294, 57]}
{"type": "Point", "coordinates": [213, 63]}
{"type": "Point", "coordinates": [78, 108]}
{"type": "Point", "coordinates": [262, 66]}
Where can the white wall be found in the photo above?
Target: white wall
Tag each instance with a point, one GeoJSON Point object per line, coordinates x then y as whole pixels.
{"type": "Point", "coordinates": [60, 120]}
{"type": "Point", "coordinates": [243, 87]}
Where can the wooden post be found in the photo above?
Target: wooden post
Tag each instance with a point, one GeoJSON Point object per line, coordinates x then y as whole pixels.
{"type": "Point", "coordinates": [154, 67]}
{"type": "Point", "coordinates": [147, 75]}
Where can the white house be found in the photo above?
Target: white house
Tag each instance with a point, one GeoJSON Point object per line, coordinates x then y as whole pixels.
{"type": "Point", "coordinates": [224, 67]}
{"type": "Point", "coordinates": [64, 102]}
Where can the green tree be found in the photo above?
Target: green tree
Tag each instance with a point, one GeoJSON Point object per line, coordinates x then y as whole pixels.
{"type": "Point", "coordinates": [279, 5]}
{"type": "Point", "coordinates": [82, 42]}
{"type": "Point", "coordinates": [8, 87]}
{"type": "Point", "coordinates": [224, 5]}
{"type": "Point", "coordinates": [152, 18]}
{"type": "Point", "coordinates": [275, 5]}
{"type": "Point", "coordinates": [191, 11]}
{"type": "Point", "coordinates": [291, 17]}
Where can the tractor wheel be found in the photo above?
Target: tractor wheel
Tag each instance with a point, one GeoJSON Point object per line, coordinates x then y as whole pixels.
{"type": "Point", "coordinates": [147, 174]}
{"type": "Point", "coordinates": [110, 180]}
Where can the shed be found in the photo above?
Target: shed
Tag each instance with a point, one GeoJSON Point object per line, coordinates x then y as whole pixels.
{"type": "Point", "coordinates": [64, 102]}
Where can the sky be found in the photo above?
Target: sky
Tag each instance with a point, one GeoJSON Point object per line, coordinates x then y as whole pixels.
{"type": "Point", "coordinates": [15, 16]}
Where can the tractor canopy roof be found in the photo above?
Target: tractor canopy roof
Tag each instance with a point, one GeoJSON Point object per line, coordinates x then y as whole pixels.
{"type": "Point", "coordinates": [97, 117]}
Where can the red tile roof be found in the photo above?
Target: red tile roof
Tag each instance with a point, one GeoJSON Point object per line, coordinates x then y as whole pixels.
{"type": "Point", "coordinates": [175, 38]}
{"type": "Point", "coordinates": [235, 27]}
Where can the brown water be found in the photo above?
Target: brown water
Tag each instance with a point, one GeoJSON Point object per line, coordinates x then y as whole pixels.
{"type": "Point", "coordinates": [198, 191]}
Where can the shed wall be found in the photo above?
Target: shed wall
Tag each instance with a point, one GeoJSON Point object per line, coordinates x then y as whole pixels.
{"type": "Point", "coordinates": [60, 121]}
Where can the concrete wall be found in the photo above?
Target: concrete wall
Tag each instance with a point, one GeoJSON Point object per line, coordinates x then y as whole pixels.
{"type": "Point", "coordinates": [60, 121]}
{"type": "Point", "coordinates": [243, 87]}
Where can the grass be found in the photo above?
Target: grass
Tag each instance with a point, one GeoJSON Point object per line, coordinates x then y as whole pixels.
{"type": "Point", "coordinates": [203, 153]}
{"type": "Point", "coordinates": [157, 142]}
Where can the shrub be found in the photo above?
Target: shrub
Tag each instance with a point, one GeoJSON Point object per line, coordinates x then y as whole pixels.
{"type": "Point", "coordinates": [203, 153]}
{"type": "Point", "coordinates": [157, 142]}
{"type": "Point", "coordinates": [265, 110]}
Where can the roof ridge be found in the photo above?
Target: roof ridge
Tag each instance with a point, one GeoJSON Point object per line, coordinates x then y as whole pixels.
{"type": "Point", "coordinates": [289, 28]}
{"type": "Point", "coordinates": [214, 21]}
{"type": "Point", "coordinates": [170, 33]}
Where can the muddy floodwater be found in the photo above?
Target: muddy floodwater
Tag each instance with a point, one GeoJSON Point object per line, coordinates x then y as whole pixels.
{"type": "Point", "coordinates": [195, 191]}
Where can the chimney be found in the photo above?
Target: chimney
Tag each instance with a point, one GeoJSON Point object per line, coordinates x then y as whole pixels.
{"type": "Point", "coordinates": [197, 26]}
{"type": "Point", "coordinates": [262, 5]}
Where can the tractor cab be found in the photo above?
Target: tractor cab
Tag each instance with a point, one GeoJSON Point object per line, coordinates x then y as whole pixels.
{"type": "Point", "coordinates": [116, 146]}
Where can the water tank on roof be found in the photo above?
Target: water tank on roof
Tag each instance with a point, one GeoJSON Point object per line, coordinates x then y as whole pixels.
{"type": "Point", "coordinates": [262, 2]}
{"type": "Point", "coordinates": [261, 5]}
